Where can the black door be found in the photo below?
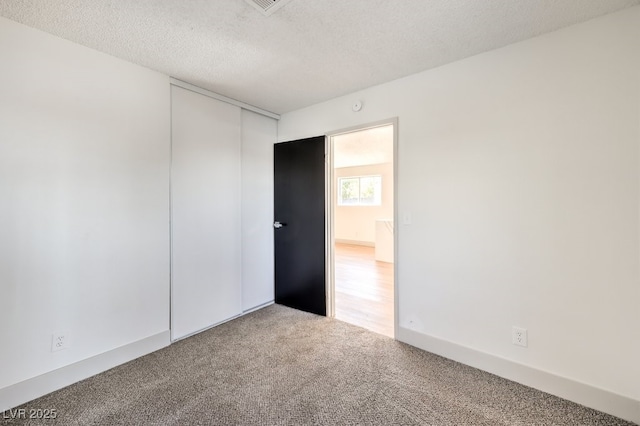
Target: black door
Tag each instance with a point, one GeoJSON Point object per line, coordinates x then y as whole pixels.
{"type": "Point", "coordinates": [299, 212]}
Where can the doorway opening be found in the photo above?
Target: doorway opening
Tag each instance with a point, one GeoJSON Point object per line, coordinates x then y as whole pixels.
{"type": "Point", "coordinates": [361, 199]}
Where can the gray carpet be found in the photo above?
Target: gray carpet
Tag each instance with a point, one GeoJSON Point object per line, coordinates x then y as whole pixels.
{"type": "Point", "coordinates": [279, 366]}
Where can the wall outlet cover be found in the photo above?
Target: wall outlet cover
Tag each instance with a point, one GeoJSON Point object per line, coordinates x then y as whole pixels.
{"type": "Point", "coordinates": [60, 340]}
{"type": "Point", "coordinates": [519, 336]}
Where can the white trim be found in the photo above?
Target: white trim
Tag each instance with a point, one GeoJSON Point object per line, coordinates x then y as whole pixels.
{"type": "Point", "coordinates": [170, 224]}
{"type": "Point", "coordinates": [28, 390]}
{"type": "Point", "coordinates": [341, 202]}
{"type": "Point", "coordinates": [331, 197]}
{"type": "Point", "coordinates": [581, 393]}
{"type": "Point", "coordinates": [355, 242]}
{"type": "Point", "coordinates": [329, 236]}
{"type": "Point", "coordinates": [209, 327]}
{"type": "Point", "coordinates": [222, 98]}
{"type": "Point", "coordinates": [366, 126]}
{"type": "Point", "coordinates": [257, 308]}
{"type": "Point", "coordinates": [396, 231]}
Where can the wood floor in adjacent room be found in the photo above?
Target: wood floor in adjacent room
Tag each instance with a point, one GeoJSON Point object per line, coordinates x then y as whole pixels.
{"type": "Point", "coordinates": [363, 288]}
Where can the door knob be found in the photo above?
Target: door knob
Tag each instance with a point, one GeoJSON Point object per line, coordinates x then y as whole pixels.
{"type": "Point", "coordinates": [278, 225]}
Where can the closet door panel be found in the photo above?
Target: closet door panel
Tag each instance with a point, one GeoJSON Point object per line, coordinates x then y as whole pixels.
{"type": "Point", "coordinates": [206, 265]}
{"type": "Point", "coordinates": [259, 134]}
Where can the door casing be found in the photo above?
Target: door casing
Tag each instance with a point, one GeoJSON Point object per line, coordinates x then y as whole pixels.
{"type": "Point", "coordinates": [330, 201]}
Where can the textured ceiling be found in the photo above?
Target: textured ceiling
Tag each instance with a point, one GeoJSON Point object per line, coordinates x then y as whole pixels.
{"type": "Point", "coordinates": [363, 147]}
{"type": "Point", "coordinates": [306, 52]}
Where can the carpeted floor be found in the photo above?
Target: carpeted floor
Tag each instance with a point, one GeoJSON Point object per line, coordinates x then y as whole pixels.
{"type": "Point", "coordinates": [279, 366]}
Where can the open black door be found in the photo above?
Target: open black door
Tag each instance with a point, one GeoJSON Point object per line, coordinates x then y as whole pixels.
{"type": "Point", "coordinates": [299, 214]}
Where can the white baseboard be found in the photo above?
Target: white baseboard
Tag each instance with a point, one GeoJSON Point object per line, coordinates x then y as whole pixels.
{"type": "Point", "coordinates": [599, 399]}
{"type": "Point", "coordinates": [28, 390]}
{"type": "Point", "coordinates": [355, 242]}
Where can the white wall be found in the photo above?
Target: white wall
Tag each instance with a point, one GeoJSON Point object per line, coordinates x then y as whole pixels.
{"type": "Point", "coordinates": [84, 184]}
{"type": "Point", "coordinates": [357, 224]}
{"type": "Point", "coordinates": [520, 169]}
{"type": "Point", "coordinates": [259, 133]}
{"type": "Point", "coordinates": [84, 223]}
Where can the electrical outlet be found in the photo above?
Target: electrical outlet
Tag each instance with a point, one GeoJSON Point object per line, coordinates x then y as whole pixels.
{"type": "Point", "coordinates": [519, 336]}
{"type": "Point", "coordinates": [59, 341]}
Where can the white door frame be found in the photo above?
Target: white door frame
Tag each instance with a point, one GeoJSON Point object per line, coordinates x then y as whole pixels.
{"type": "Point", "coordinates": [330, 201]}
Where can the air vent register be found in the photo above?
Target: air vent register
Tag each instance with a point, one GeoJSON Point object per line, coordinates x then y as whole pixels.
{"type": "Point", "coordinates": [267, 7]}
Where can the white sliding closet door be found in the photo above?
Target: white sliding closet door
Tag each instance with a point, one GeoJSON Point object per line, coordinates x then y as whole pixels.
{"type": "Point", "coordinates": [259, 134]}
{"type": "Point", "coordinates": [206, 234]}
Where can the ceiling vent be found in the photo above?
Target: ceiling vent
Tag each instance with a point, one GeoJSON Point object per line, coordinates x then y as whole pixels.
{"type": "Point", "coordinates": [267, 7]}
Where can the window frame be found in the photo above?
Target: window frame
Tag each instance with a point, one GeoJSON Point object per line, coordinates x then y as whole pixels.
{"type": "Point", "coordinates": [359, 203]}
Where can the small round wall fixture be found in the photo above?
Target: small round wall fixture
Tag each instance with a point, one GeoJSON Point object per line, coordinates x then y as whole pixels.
{"type": "Point", "coordinates": [357, 106]}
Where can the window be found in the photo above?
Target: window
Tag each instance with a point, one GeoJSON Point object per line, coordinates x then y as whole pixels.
{"type": "Point", "coordinates": [360, 191]}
